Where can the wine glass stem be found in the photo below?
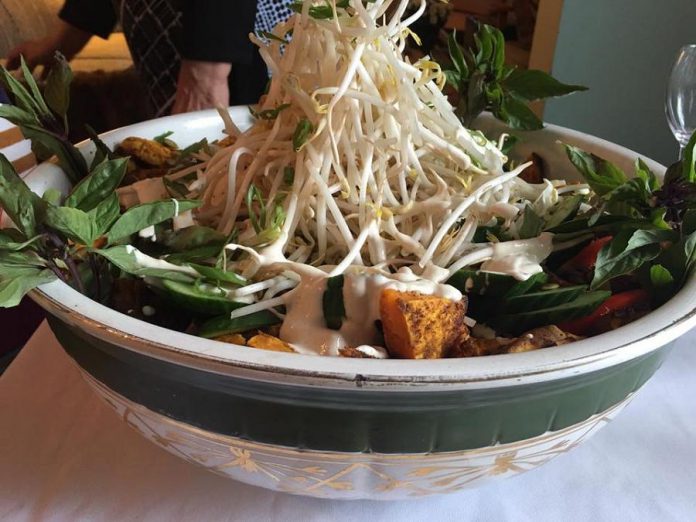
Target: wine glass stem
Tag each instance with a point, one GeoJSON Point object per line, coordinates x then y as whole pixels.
{"type": "Point", "coordinates": [681, 151]}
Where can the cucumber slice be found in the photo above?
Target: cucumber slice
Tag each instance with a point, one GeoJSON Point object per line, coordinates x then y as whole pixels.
{"type": "Point", "coordinates": [196, 300]}
{"type": "Point", "coordinates": [218, 326]}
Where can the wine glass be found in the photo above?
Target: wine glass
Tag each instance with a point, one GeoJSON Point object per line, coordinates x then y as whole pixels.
{"type": "Point", "coordinates": [680, 103]}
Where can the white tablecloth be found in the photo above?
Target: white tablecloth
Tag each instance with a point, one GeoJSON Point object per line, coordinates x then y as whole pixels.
{"type": "Point", "coordinates": [65, 456]}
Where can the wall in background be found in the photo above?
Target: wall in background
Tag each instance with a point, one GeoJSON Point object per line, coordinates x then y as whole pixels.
{"type": "Point", "coordinates": [623, 51]}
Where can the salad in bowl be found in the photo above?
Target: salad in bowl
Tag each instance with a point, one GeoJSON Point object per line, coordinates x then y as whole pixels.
{"type": "Point", "coordinates": [357, 215]}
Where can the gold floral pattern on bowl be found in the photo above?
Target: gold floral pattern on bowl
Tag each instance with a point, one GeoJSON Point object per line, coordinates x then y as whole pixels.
{"type": "Point", "coordinates": [343, 475]}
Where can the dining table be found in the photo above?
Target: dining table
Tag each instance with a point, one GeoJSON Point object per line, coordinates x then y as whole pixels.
{"type": "Point", "coordinates": [65, 456]}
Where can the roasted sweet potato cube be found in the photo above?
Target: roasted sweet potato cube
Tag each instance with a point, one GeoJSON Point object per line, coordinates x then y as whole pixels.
{"type": "Point", "coordinates": [418, 326]}
{"type": "Point", "coordinates": [268, 342]}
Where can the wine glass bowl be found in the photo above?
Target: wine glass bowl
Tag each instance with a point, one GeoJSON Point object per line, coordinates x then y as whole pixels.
{"type": "Point", "coordinates": [680, 102]}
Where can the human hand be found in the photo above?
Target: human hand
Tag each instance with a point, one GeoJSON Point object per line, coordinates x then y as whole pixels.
{"type": "Point", "coordinates": [201, 85]}
{"type": "Point", "coordinates": [67, 39]}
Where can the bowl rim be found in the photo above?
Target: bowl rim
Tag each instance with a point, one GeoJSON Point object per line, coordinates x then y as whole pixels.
{"type": "Point", "coordinates": [639, 338]}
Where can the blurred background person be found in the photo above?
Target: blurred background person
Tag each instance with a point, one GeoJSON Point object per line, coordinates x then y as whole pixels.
{"type": "Point", "coordinates": [189, 55]}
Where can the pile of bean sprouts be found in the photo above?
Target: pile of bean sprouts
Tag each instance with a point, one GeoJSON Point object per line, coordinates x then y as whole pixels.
{"type": "Point", "coordinates": [385, 176]}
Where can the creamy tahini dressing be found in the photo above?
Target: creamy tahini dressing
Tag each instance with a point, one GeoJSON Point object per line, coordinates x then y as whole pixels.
{"type": "Point", "coordinates": [304, 325]}
{"type": "Point", "coordinates": [520, 259]}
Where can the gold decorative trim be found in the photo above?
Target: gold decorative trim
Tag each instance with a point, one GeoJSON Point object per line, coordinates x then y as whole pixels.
{"type": "Point", "coordinates": [328, 474]}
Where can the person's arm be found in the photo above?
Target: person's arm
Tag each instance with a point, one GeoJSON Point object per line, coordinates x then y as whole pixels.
{"type": "Point", "coordinates": [79, 20]}
{"type": "Point", "coordinates": [215, 36]}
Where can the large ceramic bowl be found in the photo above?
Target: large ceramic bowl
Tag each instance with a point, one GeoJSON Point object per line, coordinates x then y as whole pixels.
{"type": "Point", "coordinates": [356, 428]}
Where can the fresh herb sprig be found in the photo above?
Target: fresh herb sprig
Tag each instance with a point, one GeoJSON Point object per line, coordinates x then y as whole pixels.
{"type": "Point", "coordinates": [485, 83]}
{"type": "Point", "coordinates": [653, 227]}
{"type": "Point", "coordinates": [43, 119]}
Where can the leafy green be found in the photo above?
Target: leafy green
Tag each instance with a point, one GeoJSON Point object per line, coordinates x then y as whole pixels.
{"type": "Point", "coordinates": [162, 138]}
{"type": "Point", "coordinates": [23, 206]}
{"type": "Point", "coordinates": [531, 85]}
{"type": "Point", "coordinates": [532, 224]}
{"type": "Point", "coordinates": [105, 214]}
{"type": "Point", "coordinates": [661, 283]}
{"type": "Point", "coordinates": [514, 307]}
{"type": "Point", "coordinates": [216, 274]}
{"type": "Point", "coordinates": [302, 133]}
{"type": "Point", "coordinates": [601, 175]}
{"type": "Point", "coordinates": [271, 114]}
{"type": "Point", "coordinates": [74, 223]}
{"type": "Point", "coordinates": [582, 306]}
{"type": "Point", "coordinates": [104, 179]}
{"type": "Point", "coordinates": [148, 214]}
{"type": "Point", "coordinates": [124, 258]}
{"type": "Point", "coordinates": [332, 303]}
{"type": "Point", "coordinates": [101, 150]}
{"type": "Point", "coordinates": [57, 90]}
{"type": "Point", "coordinates": [484, 82]}
{"type": "Point", "coordinates": [627, 252]}
{"type": "Point", "coordinates": [13, 289]}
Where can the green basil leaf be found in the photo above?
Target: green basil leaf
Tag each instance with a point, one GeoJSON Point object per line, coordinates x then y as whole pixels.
{"type": "Point", "coordinates": [13, 289]}
{"type": "Point", "coordinates": [101, 149]}
{"type": "Point", "coordinates": [105, 214]}
{"type": "Point", "coordinates": [458, 60]}
{"type": "Point", "coordinates": [23, 207]}
{"type": "Point", "coordinates": [9, 241]}
{"type": "Point", "coordinates": [626, 253]}
{"type": "Point", "coordinates": [332, 303]}
{"type": "Point", "coordinates": [194, 237]}
{"type": "Point", "coordinates": [162, 138]}
{"type": "Point", "coordinates": [45, 144]}
{"type": "Point", "coordinates": [73, 223]}
{"type": "Point", "coordinates": [271, 114]}
{"type": "Point", "coordinates": [647, 175]}
{"type": "Point", "coordinates": [216, 274]}
{"type": "Point", "coordinates": [20, 95]}
{"type": "Point", "coordinates": [124, 258]}
{"type": "Point", "coordinates": [39, 101]}
{"type": "Point", "coordinates": [16, 115]}
{"type": "Point", "coordinates": [661, 283]}
{"type": "Point", "coordinates": [543, 299]}
{"type": "Point", "coordinates": [142, 216]}
{"type": "Point", "coordinates": [478, 282]}
{"type": "Point", "coordinates": [566, 208]}
{"type": "Point", "coordinates": [100, 184]}
{"type": "Point", "coordinates": [57, 90]}
{"type": "Point", "coordinates": [194, 254]}
{"type": "Point", "coordinates": [302, 133]}
{"type": "Point", "coordinates": [531, 84]}
{"type": "Point", "coordinates": [689, 160]}
{"type": "Point", "coordinates": [498, 53]}
{"type": "Point", "coordinates": [531, 283]}
{"type": "Point", "coordinates": [27, 258]}
{"type": "Point", "coordinates": [224, 325]}
{"type": "Point", "coordinates": [518, 115]}
{"type": "Point", "coordinates": [601, 175]}
{"type": "Point", "coordinates": [193, 148]}
{"type": "Point", "coordinates": [532, 224]}
{"type": "Point", "coordinates": [583, 306]}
